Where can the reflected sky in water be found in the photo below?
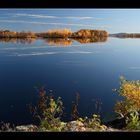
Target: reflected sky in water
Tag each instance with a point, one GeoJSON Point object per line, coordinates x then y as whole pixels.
{"type": "Point", "coordinates": [92, 69]}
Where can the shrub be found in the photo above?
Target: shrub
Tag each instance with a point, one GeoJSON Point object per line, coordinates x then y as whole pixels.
{"type": "Point", "coordinates": [11, 34]}
{"type": "Point", "coordinates": [87, 33]}
{"type": "Point", "coordinates": [49, 111]}
{"type": "Point", "coordinates": [129, 107]}
{"type": "Point", "coordinates": [132, 121]}
{"type": "Point", "coordinates": [130, 91]}
{"type": "Point", "coordinates": [91, 124]}
{"type": "Point", "coordinates": [58, 33]}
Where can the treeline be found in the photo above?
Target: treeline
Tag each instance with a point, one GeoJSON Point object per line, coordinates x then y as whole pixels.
{"type": "Point", "coordinates": [12, 34]}
{"type": "Point", "coordinates": [55, 33]}
{"type": "Point", "coordinates": [67, 33]}
{"type": "Point", "coordinates": [87, 33]}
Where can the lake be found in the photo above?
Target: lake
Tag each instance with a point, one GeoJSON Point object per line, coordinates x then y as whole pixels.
{"type": "Point", "coordinates": [65, 67]}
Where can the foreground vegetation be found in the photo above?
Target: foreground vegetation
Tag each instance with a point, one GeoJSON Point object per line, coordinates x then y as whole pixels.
{"type": "Point", "coordinates": [49, 111]}
{"type": "Point", "coordinates": [129, 107]}
{"type": "Point", "coordinates": [127, 110]}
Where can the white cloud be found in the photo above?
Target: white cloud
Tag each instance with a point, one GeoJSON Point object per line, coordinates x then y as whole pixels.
{"type": "Point", "coordinates": [54, 17]}
{"type": "Point", "coordinates": [45, 23]}
{"type": "Point", "coordinates": [35, 16]}
{"type": "Point", "coordinates": [56, 23]}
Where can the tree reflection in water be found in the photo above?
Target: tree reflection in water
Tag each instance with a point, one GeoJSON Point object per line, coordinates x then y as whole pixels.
{"type": "Point", "coordinates": [59, 42]}
{"type": "Point", "coordinates": [91, 40]}
{"type": "Point", "coordinates": [18, 40]}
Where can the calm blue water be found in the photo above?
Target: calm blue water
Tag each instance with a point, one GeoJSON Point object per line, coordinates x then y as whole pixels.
{"type": "Point", "coordinates": [92, 69]}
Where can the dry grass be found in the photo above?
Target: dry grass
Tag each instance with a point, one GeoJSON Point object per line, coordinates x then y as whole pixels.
{"type": "Point", "coordinates": [56, 33]}
{"type": "Point", "coordinates": [12, 34]}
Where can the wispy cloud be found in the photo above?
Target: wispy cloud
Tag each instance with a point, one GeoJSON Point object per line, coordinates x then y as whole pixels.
{"type": "Point", "coordinates": [55, 23]}
{"type": "Point", "coordinates": [45, 23]}
{"type": "Point", "coordinates": [34, 16]}
{"type": "Point", "coordinates": [54, 17]}
{"type": "Point", "coordinates": [78, 18]}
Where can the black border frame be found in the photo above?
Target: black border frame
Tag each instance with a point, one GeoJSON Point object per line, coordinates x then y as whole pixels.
{"type": "Point", "coordinates": [70, 4]}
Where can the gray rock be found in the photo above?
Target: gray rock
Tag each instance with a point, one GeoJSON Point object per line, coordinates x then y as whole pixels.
{"type": "Point", "coordinates": [74, 126]}
{"type": "Point", "coordinates": [26, 128]}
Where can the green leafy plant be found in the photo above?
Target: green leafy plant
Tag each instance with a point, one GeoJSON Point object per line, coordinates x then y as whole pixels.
{"type": "Point", "coordinates": [49, 112]}
{"type": "Point", "coordinates": [133, 122]}
{"type": "Point", "coordinates": [91, 123]}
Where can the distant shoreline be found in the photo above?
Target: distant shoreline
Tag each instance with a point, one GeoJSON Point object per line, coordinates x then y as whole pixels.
{"type": "Point", "coordinates": [125, 35]}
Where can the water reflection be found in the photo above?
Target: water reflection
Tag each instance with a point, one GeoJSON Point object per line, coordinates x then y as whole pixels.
{"type": "Point", "coordinates": [59, 42]}
{"type": "Point", "coordinates": [91, 40]}
{"type": "Point", "coordinates": [68, 42]}
{"type": "Point", "coordinates": [18, 40]}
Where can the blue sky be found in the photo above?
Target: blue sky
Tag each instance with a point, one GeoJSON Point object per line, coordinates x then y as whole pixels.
{"type": "Point", "coordinates": [38, 20]}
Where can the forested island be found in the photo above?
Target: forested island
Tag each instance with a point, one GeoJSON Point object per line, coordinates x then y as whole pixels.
{"type": "Point", "coordinates": [55, 33]}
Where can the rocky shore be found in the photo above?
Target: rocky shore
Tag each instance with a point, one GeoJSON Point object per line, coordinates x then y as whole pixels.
{"type": "Point", "coordinates": [72, 126]}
